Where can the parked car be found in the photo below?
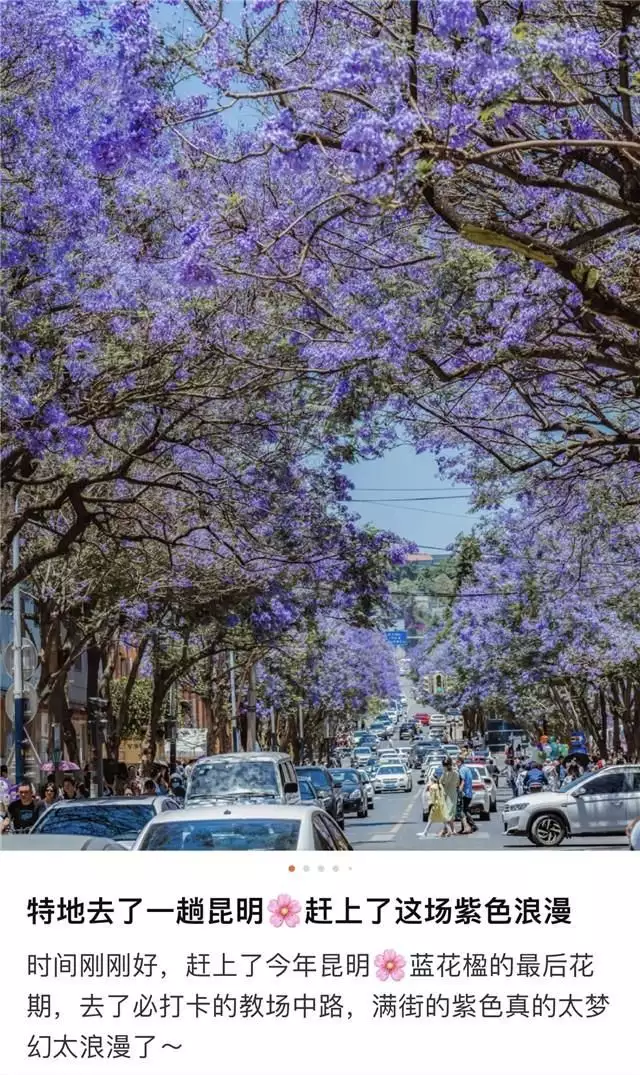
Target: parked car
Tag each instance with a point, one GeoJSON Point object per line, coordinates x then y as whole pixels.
{"type": "Point", "coordinates": [241, 827]}
{"type": "Point", "coordinates": [393, 777]}
{"type": "Point", "coordinates": [120, 817]}
{"type": "Point", "coordinates": [329, 793]}
{"type": "Point", "coordinates": [354, 793]}
{"type": "Point", "coordinates": [250, 777]}
{"type": "Point", "coordinates": [367, 780]}
{"type": "Point", "coordinates": [490, 784]}
{"type": "Point", "coordinates": [595, 804]}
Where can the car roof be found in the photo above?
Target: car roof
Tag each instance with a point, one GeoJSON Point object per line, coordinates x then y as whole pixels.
{"type": "Point", "coordinates": [236, 812]}
{"type": "Point", "coordinates": [244, 755]}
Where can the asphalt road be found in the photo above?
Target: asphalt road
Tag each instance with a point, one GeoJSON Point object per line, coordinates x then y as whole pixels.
{"type": "Point", "coordinates": [396, 820]}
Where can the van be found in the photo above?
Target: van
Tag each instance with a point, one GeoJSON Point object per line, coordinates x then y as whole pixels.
{"type": "Point", "coordinates": [254, 777]}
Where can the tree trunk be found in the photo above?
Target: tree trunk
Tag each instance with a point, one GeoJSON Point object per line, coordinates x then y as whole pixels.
{"type": "Point", "coordinates": [150, 742]}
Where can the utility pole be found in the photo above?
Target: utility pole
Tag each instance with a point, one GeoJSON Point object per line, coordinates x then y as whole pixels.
{"type": "Point", "coordinates": [173, 727]}
{"type": "Point", "coordinates": [235, 745]}
{"type": "Point", "coordinates": [96, 722]}
{"type": "Point", "coordinates": [274, 736]}
{"type": "Point", "coordinates": [251, 710]}
{"type": "Point", "coordinates": [301, 732]}
{"type": "Point", "coordinates": [18, 678]}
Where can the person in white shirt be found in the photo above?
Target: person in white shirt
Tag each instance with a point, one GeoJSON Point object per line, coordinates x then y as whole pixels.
{"type": "Point", "coordinates": [633, 832]}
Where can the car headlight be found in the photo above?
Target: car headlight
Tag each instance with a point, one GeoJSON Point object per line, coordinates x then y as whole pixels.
{"type": "Point", "coordinates": [355, 795]}
{"type": "Point", "coordinates": [510, 808]}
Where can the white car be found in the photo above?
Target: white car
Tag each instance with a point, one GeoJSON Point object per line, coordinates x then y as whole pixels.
{"type": "Point", "coordinates": [481, 800]}
{"type": "Point", "coordinates": [368, 786]}
{"type": "Point", "coordinates": [393, 777]}
{"type": "Point", "coordinates": [387, 756]}
{"type": "Point", "coordinates": [237, 827]}
{"type": "Point", "coordinates": [490, 785]}
{"type": "Point", "coordinates": [596, 804]}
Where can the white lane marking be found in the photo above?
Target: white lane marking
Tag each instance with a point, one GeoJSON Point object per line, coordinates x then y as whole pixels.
{"type": "Point", "coordinates": [398, 825]}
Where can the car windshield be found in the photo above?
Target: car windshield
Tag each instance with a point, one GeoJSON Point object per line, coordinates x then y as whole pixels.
{"type": "Point", "coordinates": [123, 822]}
{"type": "Point", "coordinates": [317, 777]}
{"type": "Point", "coordinates": [390, 770]}
{"type": "Point", "coordinates": [223, 835]}
{"type": "Point", "coordinates": [232, 777]}
{"type": "Point", "coordinates": [345, 776]}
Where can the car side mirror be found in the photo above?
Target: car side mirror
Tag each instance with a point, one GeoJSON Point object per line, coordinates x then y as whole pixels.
{"type": "Point", "coordinates": [291, 788]}
{"type": "Point", "coordinates": [579, 792]}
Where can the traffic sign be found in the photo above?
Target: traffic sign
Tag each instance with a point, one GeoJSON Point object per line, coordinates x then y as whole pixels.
{"type": "Point", "coordinates": [396, 638]}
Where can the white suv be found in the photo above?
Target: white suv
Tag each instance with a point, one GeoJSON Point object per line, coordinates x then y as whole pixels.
{"type": "Point", "coordinates": [596, 804]}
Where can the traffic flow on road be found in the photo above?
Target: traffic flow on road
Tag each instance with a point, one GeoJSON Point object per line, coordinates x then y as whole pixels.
{"type": "Point", "coordinates": [401, 782]}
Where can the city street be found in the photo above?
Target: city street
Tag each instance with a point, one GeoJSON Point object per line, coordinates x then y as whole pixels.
{"type": "Point", "coordinates": [397, 819]}
{"type": "Point", "coordinates": [395, 822]}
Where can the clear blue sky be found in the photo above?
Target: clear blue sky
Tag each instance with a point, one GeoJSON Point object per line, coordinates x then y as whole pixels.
{"type": "Point", "coordinates": [401, 475]}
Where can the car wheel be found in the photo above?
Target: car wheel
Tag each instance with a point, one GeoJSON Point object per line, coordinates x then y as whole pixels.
{"type": "Point", "coordinates": [372, 805]}
{"type": "Point", "coordinates": [547, 830]}
{"type": "Point", "coordinates": [485, 815]}
{"type": "Point", "coordinates": [494, 806]}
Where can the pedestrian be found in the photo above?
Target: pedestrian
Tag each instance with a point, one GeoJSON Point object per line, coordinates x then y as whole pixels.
{"type": "Point", "coordinates": [23, 814]}
{"type": "Point", "coordinates": [466, 787]}
{"type": "Point", "coordinates": [435, 809]}
{"type": "Point", "coordinates": [450, 781]}
{"type": "Point", "coordinates": [69, 790]}
{"type": "Point", "coordinates": [150, 787]}
{"type": "Point", "coordinates": [49, 794]}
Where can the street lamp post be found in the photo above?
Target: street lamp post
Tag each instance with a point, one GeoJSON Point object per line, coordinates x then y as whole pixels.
{"type": "Point", "coordinates": [97, 721]}
{"type": "Point", "coordinates": [235, 746]}
{"type": "Point", "coordinates": [18, 678]}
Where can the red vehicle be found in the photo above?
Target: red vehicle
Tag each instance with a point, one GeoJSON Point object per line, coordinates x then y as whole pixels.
{"type": "Point", "coordinates": [423, 718]}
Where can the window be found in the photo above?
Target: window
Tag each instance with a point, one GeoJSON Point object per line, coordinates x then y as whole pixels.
{"type": "Point", "coordinates": [321, 840]}
{"type": "Point", "coordinates": [339, 839]}
{"type": "Point", "coordinates": [634, 780]}
{"type": "Point", "coordinates": [606, 784]}
{"type": "Point", "coordinates": [169, 804]}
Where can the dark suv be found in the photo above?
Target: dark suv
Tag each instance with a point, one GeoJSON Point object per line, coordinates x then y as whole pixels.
{"type": "Point", "coordinates": [407, 731]}
{"type": "Point", "coordinates": [329, 794]}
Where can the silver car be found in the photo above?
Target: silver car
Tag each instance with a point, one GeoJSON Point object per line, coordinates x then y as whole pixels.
{"type": "Point", "coordinates": [246, 777]}
{"type": "Point", "coordinates": [596, 804]}
{"type": "Point", "coordinates": [368, 786]}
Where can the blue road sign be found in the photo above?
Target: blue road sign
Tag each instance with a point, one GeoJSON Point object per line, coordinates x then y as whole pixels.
{"type": "Point", "coordinates": [396, 638]}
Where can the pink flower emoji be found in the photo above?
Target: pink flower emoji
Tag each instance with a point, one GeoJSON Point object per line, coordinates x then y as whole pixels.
{"type": "Point", "coordinates": [284, 910]}
{"type": "Point", "coordinates": [390, 965]}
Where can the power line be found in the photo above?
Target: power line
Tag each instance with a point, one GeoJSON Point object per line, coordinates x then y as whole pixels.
{"type": "Point", "coordinates": [406, 489]}
{"type": "Point", "coordinates": [423, 511]}
{"type": "Point", "coordinates": [404, 499]}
